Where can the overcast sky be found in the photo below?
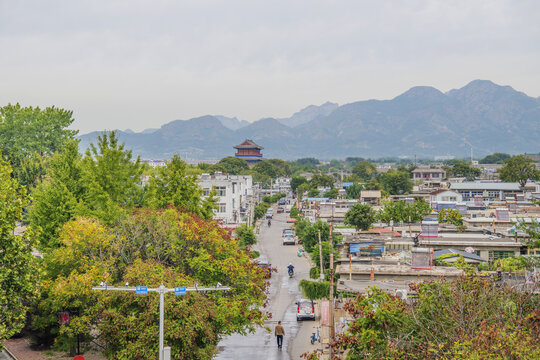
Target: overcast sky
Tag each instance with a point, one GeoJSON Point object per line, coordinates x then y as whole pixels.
{"type": "Point", "coordinates": [140, 64]}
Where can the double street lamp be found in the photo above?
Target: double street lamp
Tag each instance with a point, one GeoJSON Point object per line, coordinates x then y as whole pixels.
{"type": "Point", "coordinates": [161, 290]}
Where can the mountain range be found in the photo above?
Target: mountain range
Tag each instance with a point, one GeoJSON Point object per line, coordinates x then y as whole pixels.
{"type": "Point", "coordinates": [423, 121]}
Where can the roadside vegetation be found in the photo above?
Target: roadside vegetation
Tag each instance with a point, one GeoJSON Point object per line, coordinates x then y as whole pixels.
{"type": "Point", "coordinates": [95, 222]}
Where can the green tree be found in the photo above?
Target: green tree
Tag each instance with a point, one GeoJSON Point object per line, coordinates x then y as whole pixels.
{"type": "Point", "coordinates": [400, 211]}
{"type": "Point", "coordinates": [396, 182]}
{"type": "Point", "coordinates": [520, 169]}
{"type": "Point", "coordinates": [26, 131]}
{"type": "Point", "coordinates": [321, 180]}
{"type": "Point", "coordinates": [246, 236]}
{"type": "Point", "coordinates": [173, 186]}
{"type": "Point", "coordinates": [231, 165]}
{"type": "Point", "coordinates": [353, 191]}
{"type": "Point", "coordinates": [296, 181]}
{"type": "Point", "coordinates": [496, 158]}
{"type": "Point", "coordinates": [439, 324]}
{"type": "Point", "coordinates": [463, 169]}
{"type": "Point", "coordinates": [364, 170]}
{"type": "Point", "coordinates": [260, 210]}
{"type": "Point", "coordinates": [449, 215]}
{"type": "Point", "coordinates": [149, 247]}
{"type": "Point", "coordinates": [18, 268]}
{"type": "Point", "coordinates": [332, 193]}
{"type": "Point", "coordinates": [361, 216]}
{"type": "Point", "coordinates": [57, 199]}
{"type": "Point", "coordinates": [110, 177]}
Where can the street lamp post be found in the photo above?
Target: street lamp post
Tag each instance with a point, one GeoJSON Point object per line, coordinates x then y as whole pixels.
{"type": "Point", "coordinates": [161, 290]}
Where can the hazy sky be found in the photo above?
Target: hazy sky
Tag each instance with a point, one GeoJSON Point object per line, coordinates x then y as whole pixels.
{"type": "Point", "coordinates": [140, 64]}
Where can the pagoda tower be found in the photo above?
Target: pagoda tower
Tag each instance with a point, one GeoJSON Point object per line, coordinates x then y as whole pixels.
{"type": "Point", "coordinates": [249, 151]}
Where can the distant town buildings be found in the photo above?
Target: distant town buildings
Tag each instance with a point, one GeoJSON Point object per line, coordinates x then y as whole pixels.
{"type": "Point", "coordinates": [249, 151]}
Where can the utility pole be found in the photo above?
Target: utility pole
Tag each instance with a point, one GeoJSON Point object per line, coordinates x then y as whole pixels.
{"type": "Point", "coordinates": [321, 275]}
{"type": "Point", "coordinates": [161, 290]}
{"type": "Point", "coordinates": [331, 248]}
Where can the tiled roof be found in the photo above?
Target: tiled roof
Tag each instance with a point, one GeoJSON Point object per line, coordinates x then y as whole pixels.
{"type": "Point", "coordinates": [248, 144]}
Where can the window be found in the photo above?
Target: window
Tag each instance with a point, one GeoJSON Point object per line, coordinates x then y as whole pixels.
{"type": "Point", "coordinates": [206, 191]}
{"type": "Point", "coordinates": [221, 190]}
{"type": "Point", "coordinates": [496, 255]}
{"type": "Point", "coordinates": [453, 198]}
{"type": "Point", "coordinates": [222, 208]}
{"type": "Point", "coordinates": [435, 175]}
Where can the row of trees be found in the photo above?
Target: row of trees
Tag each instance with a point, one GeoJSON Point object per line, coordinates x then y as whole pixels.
{"type": "Point", "coordinates": [362, 216]}
{"type": "Point", "coordinates": [95, 221]}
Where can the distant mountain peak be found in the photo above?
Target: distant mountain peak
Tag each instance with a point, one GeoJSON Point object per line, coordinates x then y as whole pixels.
{"type": "Point", "coordinates": [309, 113]}
{"type": "Point", "coordinates": [420, 92]}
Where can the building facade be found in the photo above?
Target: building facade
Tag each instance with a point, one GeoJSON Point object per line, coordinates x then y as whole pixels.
{"type": "Point", "coordinates": [428, 174]}
{"type": "Point", "coordinates": [234, 194]}
{"type": "Point", "coordinates": [490, 191]}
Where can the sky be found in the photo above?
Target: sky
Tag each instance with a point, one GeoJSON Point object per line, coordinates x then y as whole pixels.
{"type": "Point", "coordinates": [139, 64]}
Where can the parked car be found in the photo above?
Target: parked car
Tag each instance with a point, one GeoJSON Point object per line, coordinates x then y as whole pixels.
{"type": "Point", "coordinates": [288, 232]}
{"type": "Point", "coordinates": [305, 310]}
{"type": "Point", "coordinates": [289, 239]}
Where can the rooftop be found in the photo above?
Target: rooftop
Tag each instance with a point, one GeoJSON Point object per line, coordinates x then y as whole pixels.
{"type": "Point", "coordinates": [470, 185]}
{"type": "Point", "coordinates": [248, 144]}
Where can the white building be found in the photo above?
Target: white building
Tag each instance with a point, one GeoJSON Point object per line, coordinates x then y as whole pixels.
{"type": "Point", "coordinates": [444, 195]}
{"type": "Point", "coordinates": [234, 194]}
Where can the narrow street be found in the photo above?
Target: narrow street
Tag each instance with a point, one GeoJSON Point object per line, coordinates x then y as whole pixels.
{"type": "Point", "coordinates": [283, 293]}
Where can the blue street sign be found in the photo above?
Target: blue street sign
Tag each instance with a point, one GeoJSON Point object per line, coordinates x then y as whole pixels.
{"type": "Point", "coordinates": [141, 290]}
{"type": "Point", "coordinates": [181, 290]}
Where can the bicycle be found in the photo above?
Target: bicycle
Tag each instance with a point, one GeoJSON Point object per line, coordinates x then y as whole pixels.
{"type": "Point", "coordinates": [315, 336]}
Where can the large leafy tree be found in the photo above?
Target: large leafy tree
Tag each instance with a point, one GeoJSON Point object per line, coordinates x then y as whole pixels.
{"type": "Point", "coordinates": [400, 211]}
{"type": "Point", "coordinates": [396, 182]}
{"type": "Point", "coordinates": [361, 216]}
{"type": "Point", "coordinates": [18, 270]}
{"type": "Point", "coordinates": [29, 133]}
{"type": "Point", "coordinates": [110, 177]}
{"type": "Point", "coordinates": [172, 185]}
{"type": "Point", "coordinates": [231, 165]}
{"type": "Point", "coordinates": [150, 247]}
{"type": "Point", "coordinates": [364, 170]}
{"type": "Point", "coordinates": [296, 181]}
{"type": "Point", "coordinates": [469, 318]}
{"type": "Point", "coordinates": [520, 169]}
{"type": "Point", "coordinates": [57, 199]}
{"type": "Point", "coordinates": [463, 169]}
{"type": "Point", "coordinates": [496, 158]}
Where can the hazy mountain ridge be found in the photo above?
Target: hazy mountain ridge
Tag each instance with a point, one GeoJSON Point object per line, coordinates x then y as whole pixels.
{"type": "Point", "coordinates": [422, 121]}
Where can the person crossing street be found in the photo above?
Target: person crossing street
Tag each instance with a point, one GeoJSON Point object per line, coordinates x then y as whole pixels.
{"type": "Point", "coordinates": [279, 332]}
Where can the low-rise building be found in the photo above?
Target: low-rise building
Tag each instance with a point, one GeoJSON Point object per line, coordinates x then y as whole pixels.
{"type": "Point", "coordinates": [428, 174]}
{"type": "Point", "coordinates": [372, 197]}
{"type": "Point", "coordinates": [234, 193]}
{"type": "Point", "coordinates": [490, 191]}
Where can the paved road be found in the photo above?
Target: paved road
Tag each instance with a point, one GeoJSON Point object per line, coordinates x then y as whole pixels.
{"type": "Point", "coordinates": [283, 293]}
{"type": "Point", "coordinates": [4, 356]}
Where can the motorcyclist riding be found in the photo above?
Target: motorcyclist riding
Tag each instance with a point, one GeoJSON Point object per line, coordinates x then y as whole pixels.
{"type": "Point", "coordinates": [269, 222]}
{"type": "Point", "coordinates": [291, 269]}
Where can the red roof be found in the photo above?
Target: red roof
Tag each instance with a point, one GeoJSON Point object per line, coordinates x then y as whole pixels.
{"type": "Point", "coordinates": [248, 144]}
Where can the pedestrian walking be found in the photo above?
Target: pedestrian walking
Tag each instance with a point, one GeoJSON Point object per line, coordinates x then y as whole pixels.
{"type": "Point", "coordinates": [279, 331]}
